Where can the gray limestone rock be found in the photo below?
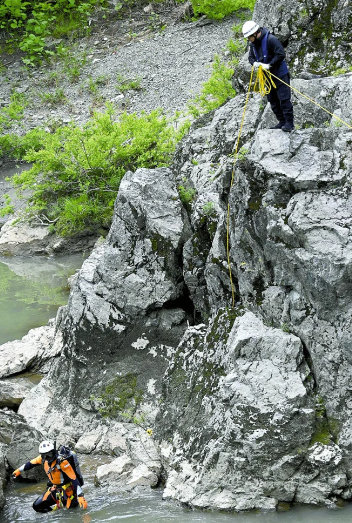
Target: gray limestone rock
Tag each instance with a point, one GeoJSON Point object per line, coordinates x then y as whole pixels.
{"type": "Point", "coordinates": [254, 400]}
{"type": "Point", "coordinates": [12, 392]}
{"type": "Point", "coordinates": [20, 444]}
{"type": "Point", "coordinates": [248, 416]}
{"type": "Point", "coordinates": [31, 352]}
{"type": "Point", "coordinates": [21, 238]}
{"type": "Point", "coordinates": [127, 309]}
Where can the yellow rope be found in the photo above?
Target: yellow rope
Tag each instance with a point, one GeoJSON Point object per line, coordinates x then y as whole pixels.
{"type": "Point", "coordinates": [264, 78]}
{"type": "Point", "coordinates": [263, 82]}
{"type": "Point", "coordinates": [233, 175]}
{"type": "Point", "coordinates": [262, 85]}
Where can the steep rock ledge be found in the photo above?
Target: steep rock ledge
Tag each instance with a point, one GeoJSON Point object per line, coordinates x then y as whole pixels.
{"type": "Point", "coordinates": [290, 259]}
{"type": "Point", "coordinates": [128, 307]}
{"type": "Point", "coordinates": [262, 389]}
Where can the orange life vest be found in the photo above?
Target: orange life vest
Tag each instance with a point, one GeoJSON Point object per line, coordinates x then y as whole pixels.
{"type": "Point", "coordinates": [59, 473]}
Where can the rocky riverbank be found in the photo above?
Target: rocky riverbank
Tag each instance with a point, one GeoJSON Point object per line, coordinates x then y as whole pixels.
{"type": "Point", "coordinates": [235, 407]}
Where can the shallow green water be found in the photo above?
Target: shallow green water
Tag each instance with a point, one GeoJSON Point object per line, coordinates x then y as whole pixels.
{"type": "Point", "coordinates": [149, 508]}
{"type": "Point", "coordinates": [31, 290]}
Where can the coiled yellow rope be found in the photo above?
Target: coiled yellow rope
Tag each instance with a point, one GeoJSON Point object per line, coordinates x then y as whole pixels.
{"type": "Point", "coordinates": [264, 78]}
{"type": "Point", "coordinates": [263, 84]}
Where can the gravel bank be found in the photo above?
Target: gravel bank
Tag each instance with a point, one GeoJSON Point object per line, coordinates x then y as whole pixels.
{"type": "Point", "coordinates": [172, 65]}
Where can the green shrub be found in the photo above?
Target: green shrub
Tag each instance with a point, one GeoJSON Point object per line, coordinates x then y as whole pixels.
{"type": "Point", "coordinates": [218, 9]}
{"type": "Point", "coordinates": [77, 172]}
{"type": "Point", "coordinates": [14, 111]}
{"type": "Point", "coordinates": [215, 91]}
{"type": "Point", "coordinates": [124, 84]}
{"type": "Point", "coordinates": [29, 23]}
{"type": "Point", "coordinates": [16, 146]}
{"type": "Point", "coordinates": [187, 193]}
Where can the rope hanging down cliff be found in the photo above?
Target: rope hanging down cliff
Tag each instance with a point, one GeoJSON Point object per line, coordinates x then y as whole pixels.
{"type": "Point", "coordinates": [263, 83]}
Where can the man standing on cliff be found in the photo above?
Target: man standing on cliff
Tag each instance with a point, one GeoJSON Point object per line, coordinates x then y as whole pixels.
{"type": "Point", "coordinates": [267, 51]}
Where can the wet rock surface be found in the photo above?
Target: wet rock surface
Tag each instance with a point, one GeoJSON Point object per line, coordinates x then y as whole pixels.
{"type": "Point", "coordinates": [249, 402]}
{"type": "Point", "coordinates": [261, 389]}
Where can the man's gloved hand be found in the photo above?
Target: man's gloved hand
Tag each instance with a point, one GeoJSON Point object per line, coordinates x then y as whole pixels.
{"type": "Point", "coordinates": [265, 66]}
{"type": "Point", "coordinates": [16, 473]}
{"type": "Point", "coordinates": [69, 501]}
{"type": "Point", "coordinates": [82, 502]}
{"type": "Point", "coordinates": [256, 65]}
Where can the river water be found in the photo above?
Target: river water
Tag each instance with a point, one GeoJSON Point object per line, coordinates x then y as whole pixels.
{"type": "Point", "coordinates": [149, 508]}
{"type": "Point", "coordinates": [31, 291]}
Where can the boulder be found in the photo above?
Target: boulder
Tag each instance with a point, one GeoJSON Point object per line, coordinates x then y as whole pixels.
{"type": "Point", "coordinates": [31, 351]}
{"type": "Point", "coordinates": [123, 475]}
{"type": "Point", "coordinates": [106, 439]}
{"type": "Point", "coordinates": [248, 417]}
{"type": "Point", "coordinates": [20, 444]}
{"type": "Point", "coordinates": [19, 238]}
{"type": "Point", "coordinates": [127, 309]}
{"type": "Point", "coordinates": [12, 392]}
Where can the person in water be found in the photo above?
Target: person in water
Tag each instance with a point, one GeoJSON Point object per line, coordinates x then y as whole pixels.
{"type": "Point", "coordinates": [267, 51]}
{"type": "Point", "coordinates": [64, 488]}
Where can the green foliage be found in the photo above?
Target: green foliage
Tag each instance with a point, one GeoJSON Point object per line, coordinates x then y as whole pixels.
{"type": "Point", "coordinates": [14, 111]}
{"type": "Point", "coordinates": [187, 193]}
{"type": "Point", "coordinates": [241, 154]}
{"type": "Point", "coordinates": [124, 84]}
{"type": "Point", "coordinates": [16, 146]}
{"type": "Point", "coordinates": [77, 172]}
{"type": "Point", "coordinates": [326, 430]}
{"type": "Point", "coordinates": [220, 8]}
{"type": "Point", "coordinates": [208, 209]}
{"type": "Point", "coordinates": [120, 398]}
{"type": "Point", "coordinates": [342, 71]}
{"type": "Point", "coordinates": [215, 91]}
{"type": "Point", "coordinates": [236, 47]}
{"type": "Point", "coordinates": [7, 207]}
{"type": "Point", "coordinates": [29, 23]}
{"type": "Point", "coordinates": [55, 98]}
{"type": "Point", "coordinates": [285, 327]}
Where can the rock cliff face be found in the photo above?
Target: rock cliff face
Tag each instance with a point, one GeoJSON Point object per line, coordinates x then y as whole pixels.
{"type": "Point", "coordinates": [250, 405]}
{"type": "Point", "coordinates": [262, 389]}
{"type": "Point", "coordinates": [128, 307]}
{"type": "Point", "coordinates": [315, 32]}
{"type": "Point", "coordinates": [267, 400]}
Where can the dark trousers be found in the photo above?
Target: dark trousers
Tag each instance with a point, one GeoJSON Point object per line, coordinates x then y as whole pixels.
{"type": "Point", "coordinates": [46, 502]}
{"type": "Point", "coordinates": [280, 100]}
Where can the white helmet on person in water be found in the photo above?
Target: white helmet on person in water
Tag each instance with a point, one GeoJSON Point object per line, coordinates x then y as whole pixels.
{"type": "Point", "coordinates": [47, 450]}
{"type": "Point", "coordinates": [249, 28]}
{"type": "Point", "coordinates": [46, 446]}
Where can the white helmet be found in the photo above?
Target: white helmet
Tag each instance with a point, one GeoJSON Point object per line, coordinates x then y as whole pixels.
{"type": "Point", "coordinates": [46, 446]}
{"type": "Point", "coordinates": [249, 28]}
